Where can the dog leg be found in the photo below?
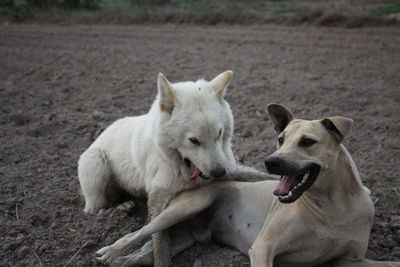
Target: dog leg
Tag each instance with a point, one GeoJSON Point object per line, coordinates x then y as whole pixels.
{"type": "Point", "coordinates": [344, 262]}
{"type": "Point", "coordinates": [261, 254]}
{"type": "Point", "coordinates": [94, 176]}
{"type": "Point", "coordinates": [142, 256]}
{"type": "Point", "coordinates": [180, 236]}
{"type": "Point", "coordinates": [183, 207]}
{"type": "Point", "coordinates": [249, 174]}
{"type": "Point", "coordinates": [109, 253]}
{"type": "Point", "coordinates": [382, 263]}
{"type": "Point", "coordinates": [157, 202]}
{"type": "Point", "coordinates": [162, 252]}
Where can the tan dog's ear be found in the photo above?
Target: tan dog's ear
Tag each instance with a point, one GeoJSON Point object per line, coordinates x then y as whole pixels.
{"type": "Point", "coordinates": [338, 126]}
{"type": "Point", "coordinates": [166, 94]}
{"type": "Point", "coordinates": [220, 83]}
{"type": "Point", "coordinates": [280, 116]}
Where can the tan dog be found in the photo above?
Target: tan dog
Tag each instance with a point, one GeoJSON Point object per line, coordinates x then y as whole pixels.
{"type": "Point", "coordinates": [322, 212]}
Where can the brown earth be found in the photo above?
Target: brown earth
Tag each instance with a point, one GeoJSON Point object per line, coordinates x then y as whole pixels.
{"type": "Point", "coordinates": [61, 85]}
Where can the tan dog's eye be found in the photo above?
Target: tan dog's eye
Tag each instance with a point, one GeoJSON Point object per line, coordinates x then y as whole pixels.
{"type": "Point", "coordinates": [280, 140]}
{"type": "Point", "coordinates": [307, 142]}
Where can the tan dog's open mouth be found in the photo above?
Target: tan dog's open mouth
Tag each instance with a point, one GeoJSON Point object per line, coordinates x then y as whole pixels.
{"type": "Point", "coordinates": [291, 187]}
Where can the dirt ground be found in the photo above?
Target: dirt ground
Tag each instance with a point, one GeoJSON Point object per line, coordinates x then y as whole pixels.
{"type": "Point", "coordinates": [61, 85]}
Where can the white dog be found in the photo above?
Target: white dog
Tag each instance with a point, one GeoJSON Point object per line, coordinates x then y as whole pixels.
{"type": "Point", "coordinates": [183, 141]}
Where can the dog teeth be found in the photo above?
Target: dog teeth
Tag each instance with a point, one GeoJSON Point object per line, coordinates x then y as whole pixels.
{"type": "Point", "coordinates": [290, 194]}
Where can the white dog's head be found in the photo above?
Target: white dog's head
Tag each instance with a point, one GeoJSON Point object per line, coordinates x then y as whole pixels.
{"type": "Point", "coordinates": [197, 122]}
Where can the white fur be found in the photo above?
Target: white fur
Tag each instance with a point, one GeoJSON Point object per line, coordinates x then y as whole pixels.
{"type": "Point", "coordinates": [145, 153]}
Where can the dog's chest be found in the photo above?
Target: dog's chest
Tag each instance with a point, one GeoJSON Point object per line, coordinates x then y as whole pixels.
{"type": "Point", "coordinates": [319, 243]}
{"type": "Point", "coordinates": [311, 250]}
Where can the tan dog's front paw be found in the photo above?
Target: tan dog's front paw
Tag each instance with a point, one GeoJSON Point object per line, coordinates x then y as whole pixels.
{"type": "Point", "coordinates": [108, 254]}
{"type": "Point", "coordinates": [125, 261]}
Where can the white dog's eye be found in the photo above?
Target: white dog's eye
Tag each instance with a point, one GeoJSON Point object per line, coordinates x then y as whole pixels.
{"type": "Point", "coordinates": [219, 133]}
{"type": "Point", "coordinates": [194, 141]}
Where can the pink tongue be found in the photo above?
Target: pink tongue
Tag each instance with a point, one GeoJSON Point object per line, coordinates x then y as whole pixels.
{"type": "Point", "coordinates": [194, 171]}
{"type": "Point", "coordinates": [284, 185]}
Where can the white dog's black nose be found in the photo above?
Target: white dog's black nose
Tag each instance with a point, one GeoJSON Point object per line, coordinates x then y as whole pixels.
{"type": "Point", "coordinates": [218, 172]}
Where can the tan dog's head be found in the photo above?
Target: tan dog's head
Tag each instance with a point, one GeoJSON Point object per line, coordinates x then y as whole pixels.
{"type": "Point", "coordinates": [307, 151]}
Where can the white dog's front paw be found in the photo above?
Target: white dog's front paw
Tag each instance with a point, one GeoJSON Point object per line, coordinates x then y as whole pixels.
{"type": "Point", "coordinates": [108, 254]}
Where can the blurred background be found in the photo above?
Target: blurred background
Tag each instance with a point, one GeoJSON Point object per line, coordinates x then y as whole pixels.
{"type": "Point", "coordinates": [350, 13]}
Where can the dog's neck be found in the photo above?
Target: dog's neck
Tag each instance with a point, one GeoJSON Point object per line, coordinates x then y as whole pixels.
{"type": "Point", "coordinates": [343, 185]}
{"type": "Point", "coordinates": [351, 176]}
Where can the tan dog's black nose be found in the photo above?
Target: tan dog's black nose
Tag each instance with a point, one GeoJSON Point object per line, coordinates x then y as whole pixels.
{"type": "Point", "coordinates": [274, 164]}
{"type": "Point", "coordinates": [218, 172]}
{"type": "Point", "coordinates": [281, 166]}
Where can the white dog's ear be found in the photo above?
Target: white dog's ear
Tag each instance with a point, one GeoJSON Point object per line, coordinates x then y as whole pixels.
{"type": "Point", "coordinates": [280, 116]}
{"type": "Point", "coordinates": [338, 126]}
{"type": "Point", "coordinates": [220, 83]}
{"type": "Point", "coordinates": [167, 96]}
